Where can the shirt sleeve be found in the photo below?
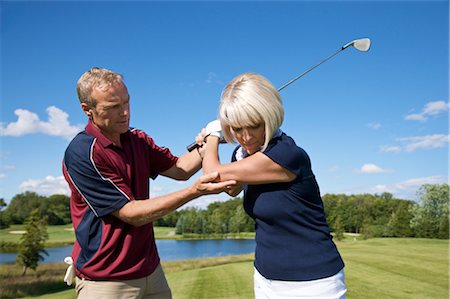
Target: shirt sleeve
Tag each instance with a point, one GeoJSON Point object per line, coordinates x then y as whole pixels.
{"type": "Point", "coordinates": [161, 158]}
{"type": "Point", "coordinates": [98, 184]}
{"type": "Point", "coordinates": [286, 153]}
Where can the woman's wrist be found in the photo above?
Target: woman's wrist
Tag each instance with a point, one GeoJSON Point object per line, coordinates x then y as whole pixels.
{"type": "Point", "coordinates": [201, 152]}
{"type": "Point", "coordinates": [212, 138]}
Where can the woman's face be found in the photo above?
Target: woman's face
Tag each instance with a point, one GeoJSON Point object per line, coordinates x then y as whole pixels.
{"type": "Point", "coordinates": [250, 138]}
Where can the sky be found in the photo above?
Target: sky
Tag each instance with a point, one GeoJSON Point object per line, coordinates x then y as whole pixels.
{"type": "Point", "coordinates": [371, 122]}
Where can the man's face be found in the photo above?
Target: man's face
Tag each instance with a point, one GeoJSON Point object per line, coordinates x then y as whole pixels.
{"type": "Point", "coordinates": [112, 110]}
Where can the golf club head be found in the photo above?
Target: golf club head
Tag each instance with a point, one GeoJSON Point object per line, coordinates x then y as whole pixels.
{"type": "Point", "coordinates": [362, 44]}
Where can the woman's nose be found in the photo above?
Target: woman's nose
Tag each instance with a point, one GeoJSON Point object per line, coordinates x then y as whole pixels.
{"type": "Point", "coordinates": [246, 135]}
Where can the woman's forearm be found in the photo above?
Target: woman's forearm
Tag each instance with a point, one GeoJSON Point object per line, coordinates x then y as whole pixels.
{"type": "Point", "coordinates": [211, 161]}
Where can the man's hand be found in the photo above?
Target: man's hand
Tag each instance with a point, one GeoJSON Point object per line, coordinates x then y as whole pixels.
{"type": "Point", "coordinates": [210, 184]}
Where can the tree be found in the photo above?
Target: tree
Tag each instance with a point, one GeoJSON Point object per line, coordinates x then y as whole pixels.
{"type": "Point", "coordinates": [431, 214]}
{"type": "Point", "coordinates": [339, 229]}
{"type": "Point", "coordinates": [366, 229]}
{"type": "Point", "coordinates": [57, 208]}
{"type": "Point", "coordinates": [21, 206]}
{"type": "Point", "coordinates": [180, 226]}
{"type": "Point", "coordinates": [5, 220]}
{"type": "Point", "coordinates": [32, 242]}
{"type": "Point", "coordinates": [443, 228]}
{"type": "Point", "coordinates": [399, 223]}
{"type": "Point", "coordinates": [238, 220]}
{"type": "Point", "coordinates": [218, 223]}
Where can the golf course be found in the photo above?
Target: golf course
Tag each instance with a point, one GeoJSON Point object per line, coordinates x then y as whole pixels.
{"type": "Point", "coordinates": [375, 268]}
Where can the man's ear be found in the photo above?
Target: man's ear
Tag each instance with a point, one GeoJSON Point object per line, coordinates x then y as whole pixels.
{"type": "Point", "coordinates": [86, 109]}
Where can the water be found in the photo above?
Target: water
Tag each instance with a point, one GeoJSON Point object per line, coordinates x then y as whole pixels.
{"type": "Point", "coordinates": [169, 250]}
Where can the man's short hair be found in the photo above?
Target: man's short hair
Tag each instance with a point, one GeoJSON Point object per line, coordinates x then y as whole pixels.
{"type": "Point", "coordinates": [95, 77]}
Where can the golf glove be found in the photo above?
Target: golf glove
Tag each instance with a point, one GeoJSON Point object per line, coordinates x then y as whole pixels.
{"type": "Point", "coordinates": [70, 272]}
{"type": "Point", "coordinates": [213, 128]}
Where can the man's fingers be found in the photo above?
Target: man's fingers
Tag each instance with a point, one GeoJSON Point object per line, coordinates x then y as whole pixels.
{"type": "Point", "coordinates": [211, 187]}
{"type": "Point", "coordinates": [225, 184]}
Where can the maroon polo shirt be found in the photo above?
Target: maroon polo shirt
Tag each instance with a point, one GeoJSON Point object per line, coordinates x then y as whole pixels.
{"type": "Point", "coordinates": [103, 178]}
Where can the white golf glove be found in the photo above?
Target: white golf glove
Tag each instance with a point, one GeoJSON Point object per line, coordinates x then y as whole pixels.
{"type": "Point", "coordinates": [213, 128]}
{"type": "Point", "coordinates": [70, 272]}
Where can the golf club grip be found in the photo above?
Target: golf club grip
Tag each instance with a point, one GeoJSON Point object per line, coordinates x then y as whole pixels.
{"type": "Point", "coordinates": [192, 146]}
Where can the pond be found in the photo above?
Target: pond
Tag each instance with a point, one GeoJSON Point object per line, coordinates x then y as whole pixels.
{"type": "Point", "coordinates": [169, 250]}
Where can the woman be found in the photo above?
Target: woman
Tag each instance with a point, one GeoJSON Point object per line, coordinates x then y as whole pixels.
{"type": "Point", "coordinates": [295, 256]}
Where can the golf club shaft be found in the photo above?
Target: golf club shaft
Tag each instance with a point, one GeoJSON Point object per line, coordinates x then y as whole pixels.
{"type": "Point", "coordinates": [310, 69]}
{"type": "Point", "coordinates": [194, 145]}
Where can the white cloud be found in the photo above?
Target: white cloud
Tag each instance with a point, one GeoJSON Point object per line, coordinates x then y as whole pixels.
{"type": "Point", "coordinates": [414, 143]}
{"type": "Point", "coordinates": [374, 126]}
{"type": "Point", "coordinates": [212, 78]}
{"type": "Point", "coordinates": [3, 154]}
{"type": "Point", "coordinates": [333, 168]}
{"type": "Point", "coordinates": [425, 142]}
{"type": "Point", "coordinates": [417, 117]}
{"type": "Point", "coordinates": [47, 186]}
{"type": "Point", "coordinates": [430, 109]}
{"type": "Point", "coordinates": [29, 123]}
{"type": "Point", "coordinates": [2, 175]}
{"type": "Point", "coordinates": [390, 149]}
{"type": "Point", "coordinates": [407, 189]}
{"type": "Point", "coordinates": [372, 168]}
{"type": "Point", "coordinates": [434, 108]}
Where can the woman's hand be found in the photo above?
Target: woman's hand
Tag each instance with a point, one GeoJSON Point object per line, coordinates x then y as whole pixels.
{"type": "Point", "coordinates": [200, 139]}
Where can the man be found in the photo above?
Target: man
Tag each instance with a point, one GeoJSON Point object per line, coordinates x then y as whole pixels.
{"type": "Point", "coordinates": [108, 167]}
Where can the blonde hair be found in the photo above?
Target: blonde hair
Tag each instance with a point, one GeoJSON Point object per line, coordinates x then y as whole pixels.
{"type": "Point", "coordinates": [250, 100]}
{"type": "Point", "coordinates": [95, 77]}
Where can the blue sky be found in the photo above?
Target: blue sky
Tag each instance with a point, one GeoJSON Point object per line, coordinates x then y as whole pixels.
{"type": "Point", "coordinates": [371, 122]}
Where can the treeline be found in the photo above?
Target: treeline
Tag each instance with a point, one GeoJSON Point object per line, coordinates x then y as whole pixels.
{"type": "Point", "coordinates": [385, 216]}
{"type": "Point", "coordinates": [370, 215]}
{"type": "Point", "coordinates": [219, 218]}
{"type": "Point", "coordinates": [56, 208]}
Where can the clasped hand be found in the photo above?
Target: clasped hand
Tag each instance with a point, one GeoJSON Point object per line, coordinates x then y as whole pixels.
{"type": "Point", "coordinates": [213, 128]}
{"type": "Point", "coordinates": [210, 184]}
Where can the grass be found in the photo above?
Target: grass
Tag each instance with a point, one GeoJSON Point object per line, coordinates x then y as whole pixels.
{"type": "Point", "coordinates": [58, 234]}
{"type": "Point", "coordinates": [375, 268]}
{"type": "Point", "coordinates": [397, 268]}
{"type": "Point", "coordinates": [222, 281]}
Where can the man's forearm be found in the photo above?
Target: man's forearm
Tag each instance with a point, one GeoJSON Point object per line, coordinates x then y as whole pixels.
{"type": "Point", "coordinates": [189, 164]}
{"type": "Point", "coordinates": [141, 212]}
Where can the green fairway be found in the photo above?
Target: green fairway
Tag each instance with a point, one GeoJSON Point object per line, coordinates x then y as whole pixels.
{"type": "Point", "coordinates": [375, 268]}
{"type": "Point", "coordinates": [224, 281]}
{"type": "Point", "coordinates": [396, 268]}
{"type": "Point", "coordinates": [58, 234]}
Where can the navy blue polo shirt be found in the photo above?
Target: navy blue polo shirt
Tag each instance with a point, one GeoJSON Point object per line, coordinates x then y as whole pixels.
{"type": "Point", "coordinates": [293, 240]}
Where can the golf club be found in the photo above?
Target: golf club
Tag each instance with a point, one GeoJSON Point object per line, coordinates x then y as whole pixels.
{"type": "Point", "coordinates": [362, 45]}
